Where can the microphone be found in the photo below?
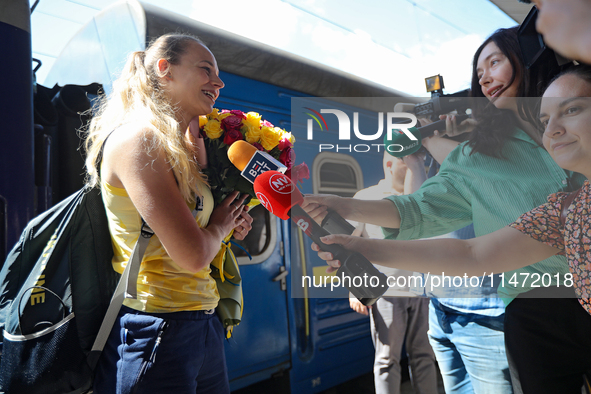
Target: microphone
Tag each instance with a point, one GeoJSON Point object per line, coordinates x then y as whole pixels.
{"type": "Point", "coordinates": [280, 196]}
{"type": "Point", "coordinates": [252, 162]}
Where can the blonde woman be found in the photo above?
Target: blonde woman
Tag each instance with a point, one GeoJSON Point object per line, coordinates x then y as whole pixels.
{"type": "Point", "coordinates": [169, 340]}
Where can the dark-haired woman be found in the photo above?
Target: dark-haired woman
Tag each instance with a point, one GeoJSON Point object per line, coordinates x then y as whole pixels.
{"type": "Point", "coordinates": [489, 180]}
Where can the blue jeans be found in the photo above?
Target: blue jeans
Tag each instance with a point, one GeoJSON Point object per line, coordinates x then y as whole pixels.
{"type": "Point", "coordinates": [470, 350]}
{"type": "Point", "coordinates": [162, 353]}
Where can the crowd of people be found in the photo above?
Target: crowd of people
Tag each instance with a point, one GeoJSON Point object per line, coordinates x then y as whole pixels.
{"type": "Point", "coordinates": [146, 160]}
{"type": "Point", "coordinates": [516, 155]}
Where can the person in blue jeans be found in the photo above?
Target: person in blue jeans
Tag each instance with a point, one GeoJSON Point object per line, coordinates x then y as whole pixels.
{"type": "Point", "coordinates": [488, 181]}
{"type": "Point", "coordinates": [466, 333]}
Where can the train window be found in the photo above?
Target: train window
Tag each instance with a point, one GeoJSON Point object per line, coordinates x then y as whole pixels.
{"type": "Point", "coordinates": [336, 173]}
{"type": "Point", "coordinates": [260, 241]}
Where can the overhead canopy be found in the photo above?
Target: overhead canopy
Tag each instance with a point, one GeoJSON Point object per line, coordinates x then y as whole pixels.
{"type": "Point", "coordinates": [516, 10]}
{"type": "Point", "coordinates": [98, 51]}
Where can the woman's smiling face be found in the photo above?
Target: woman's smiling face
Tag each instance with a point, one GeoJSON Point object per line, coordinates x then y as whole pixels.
{"type": "Point", "coordinates": [194, 84]}
{"type": "Point", "coordinates": [566, 115]}
{"type": "Point", "coordinates": [494, 73]}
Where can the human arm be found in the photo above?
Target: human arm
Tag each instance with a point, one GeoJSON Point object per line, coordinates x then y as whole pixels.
{"type": "Point", "coordinates": [500, 251]}
{"type": "Point", "coordinates": [358, 307]}
{"type": "Point", "coordinates": [442, 204]}
{"type": "Point", "coordinates": [131, 162]}
{"type": "Point", "coordinates": [438, 146]}
{"type": "Point", "coordinates": [379, 212]}
{"type": "Point", "coordinates": [354, 303]}
{"type": "Point", "coordinates": [415, 173]}
{"type": "Point", "coordinates": [534, 236]}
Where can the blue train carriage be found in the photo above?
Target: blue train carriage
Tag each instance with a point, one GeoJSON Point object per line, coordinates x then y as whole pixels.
{"type": "Point", "coordinates": [17, 202]}
{"type": "Point", "coordinates": [305, 337]}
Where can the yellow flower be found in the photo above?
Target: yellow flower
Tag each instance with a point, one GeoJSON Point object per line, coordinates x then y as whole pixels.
{"type": "Point", "coordinates": [251, 127]}
{"type": "Point", "coordinates": [252, 134]}
{"type": "Point", "coordinates": [214, 114]}
{"type": "Point", "coordinates": [270, 137]}
{"type": "Point", "coordinates": [202, 121]}
{"type": "Point", "coordinates": [213, 129]}
{"type": "Point", "coordinates": [252, 120]}
{"type": "Point", "coordinates": [292, 138]}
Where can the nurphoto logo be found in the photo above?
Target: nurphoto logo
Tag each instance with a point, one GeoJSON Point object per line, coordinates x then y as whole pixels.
{"type": "Point", "coordinates": [398, 125]}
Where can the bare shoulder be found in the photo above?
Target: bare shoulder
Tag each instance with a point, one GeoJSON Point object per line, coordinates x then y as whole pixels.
{"type": "Point", "coordinates": [129, 138]}
{"type": "Point", "coordinates": [128, 148]}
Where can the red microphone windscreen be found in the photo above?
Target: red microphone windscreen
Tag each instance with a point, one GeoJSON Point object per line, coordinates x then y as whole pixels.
{"type": "Point", "coordinates": [277, 193]}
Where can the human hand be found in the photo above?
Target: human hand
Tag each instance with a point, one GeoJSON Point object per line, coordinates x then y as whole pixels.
{"type": "Point", "coordinates": [435, 136]}
{"type": "Point", "coordinates": [358, 307]}
{"type": "Point", "coordinates": [228, 214]}
{"type": "Point", "coordinates": [349, 242]}
{"type": "Point", "coordinates": [452, 128]}
{"type": "Point", "coordinates": [242, 230]}
{"type": "Point", "coordinates": [317, 205]}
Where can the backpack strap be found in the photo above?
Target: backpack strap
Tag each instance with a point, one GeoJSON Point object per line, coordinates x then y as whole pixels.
{"type": "Point", "coordinates": [566, 204]}
{"type": "Point", "coordinates": [126, 288]}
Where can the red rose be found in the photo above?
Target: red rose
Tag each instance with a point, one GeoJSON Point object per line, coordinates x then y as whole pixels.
{"type": "Point", "coordinates": [298, 173]}
{"type": "Point", "coordinates": [232, 136]}
{"type": "Point", "coordinates": [238, 113]}
{"type": "Point", "coordinates": [287, 157]}
{"type": "Point", "coordinates": [231, 123]}
{"type": "Point", "coordinates": [284, 144]}
{"type": "Point", "coordinates": [258, 146]}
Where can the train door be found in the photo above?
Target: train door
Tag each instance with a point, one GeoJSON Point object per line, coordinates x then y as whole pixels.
{"type": "Point", "coordinates": [332, 342]}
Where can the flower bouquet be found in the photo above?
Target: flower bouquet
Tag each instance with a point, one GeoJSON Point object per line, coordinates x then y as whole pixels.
{"type": "Point", "coordinates": [222, 129]}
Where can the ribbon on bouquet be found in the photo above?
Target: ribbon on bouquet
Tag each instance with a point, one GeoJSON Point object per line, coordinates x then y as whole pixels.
{"type": "Point", "coordinates": [226, 272]}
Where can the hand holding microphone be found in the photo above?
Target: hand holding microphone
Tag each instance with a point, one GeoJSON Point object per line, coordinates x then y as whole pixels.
{"type": "Point", "coordinates": [252, 162]}
{"type": "Point", "coordinates": [280, 196]}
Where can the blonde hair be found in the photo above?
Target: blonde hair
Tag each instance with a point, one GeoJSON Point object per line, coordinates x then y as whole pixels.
{"type": "Point", "coordinates": [138, 98]}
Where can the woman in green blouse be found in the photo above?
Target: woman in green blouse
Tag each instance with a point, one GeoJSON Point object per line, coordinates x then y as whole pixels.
{"type": "Point", "coordinates": [489, 180]}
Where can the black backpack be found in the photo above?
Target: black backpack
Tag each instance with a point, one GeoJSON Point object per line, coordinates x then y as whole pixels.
{"type": "Point", "coordinates": [57, 289]}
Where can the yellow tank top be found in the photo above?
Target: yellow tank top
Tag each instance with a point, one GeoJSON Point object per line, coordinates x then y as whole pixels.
{"type": "Point", "coordinates": [162, 286]}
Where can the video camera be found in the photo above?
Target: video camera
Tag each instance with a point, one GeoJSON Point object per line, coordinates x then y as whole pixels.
{"type": "Point", "coordinates": [441, 104]}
